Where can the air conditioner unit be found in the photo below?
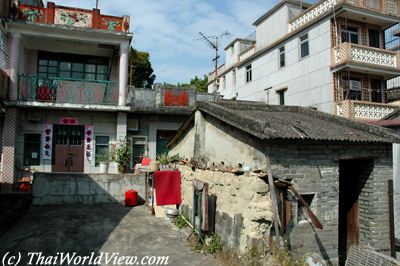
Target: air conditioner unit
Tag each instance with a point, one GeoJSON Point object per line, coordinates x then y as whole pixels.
{"type": "Point", "coordinates": [34, 115]}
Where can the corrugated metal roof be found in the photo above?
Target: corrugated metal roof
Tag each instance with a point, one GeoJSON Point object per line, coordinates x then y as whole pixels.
{"type": "Point", "coordinates": [292, 122]}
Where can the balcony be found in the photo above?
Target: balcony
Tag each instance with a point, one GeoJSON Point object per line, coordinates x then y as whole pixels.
{"type": "Point", "coordinates": [58, 90]}
{"type": "Point", "coordinates": [73, 17]}
{"type": "Point", "coordinates": [246, 54]}
{"type": "Point", "coordinates": [386, 7]}
{"type": "Point", "coordinates": [366, 59]}
{"type": "Point", "coordinates": [366, 111]}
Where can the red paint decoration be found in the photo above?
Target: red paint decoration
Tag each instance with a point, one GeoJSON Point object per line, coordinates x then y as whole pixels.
{"type": "Point", "coordinates": [69, 121]}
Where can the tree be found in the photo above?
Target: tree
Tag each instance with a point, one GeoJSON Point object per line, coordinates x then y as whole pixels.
{"type": "Point", "coordinates": [200, 84]}
{"type": "Point", "coordinates": [142, 72]}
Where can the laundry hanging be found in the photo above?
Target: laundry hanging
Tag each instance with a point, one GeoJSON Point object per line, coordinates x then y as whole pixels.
{"type": "Point", "coordinates": [201, 203]}
{"type": "Point", "coordinates": [168, 187]}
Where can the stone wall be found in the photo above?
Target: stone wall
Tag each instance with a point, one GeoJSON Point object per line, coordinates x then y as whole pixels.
{"type": "Point", "coordinates": [243, 212]}
{"type": "Point", "coordinates": [56, 188]}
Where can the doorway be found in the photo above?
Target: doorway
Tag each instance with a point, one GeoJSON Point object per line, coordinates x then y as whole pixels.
{"type": "Point", "coordinates": [376, 91]}
{"type": "Point", "coordinates": [68, 153]}
{"type": "Point", "coordinates": [163, 137]}
{"type": "Point", "coordinates": [374, 38]}
{"type": "Point", "coordinates": [352, 176]}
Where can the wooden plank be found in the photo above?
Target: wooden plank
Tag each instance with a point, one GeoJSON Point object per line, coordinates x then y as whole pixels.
{"type": "Point", "coordinates": [274, 200]}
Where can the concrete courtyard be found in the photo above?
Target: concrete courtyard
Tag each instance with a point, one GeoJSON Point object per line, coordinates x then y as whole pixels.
{"type": "Point", "coordinates": [101, 228]}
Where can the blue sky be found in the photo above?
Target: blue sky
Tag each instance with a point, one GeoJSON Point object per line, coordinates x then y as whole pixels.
{"type": "Point", "coordinates": [166, 29]}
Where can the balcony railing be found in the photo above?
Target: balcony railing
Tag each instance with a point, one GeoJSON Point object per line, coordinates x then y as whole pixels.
{"type": "Point", "coordinates": [348, 52]}
{"type": "Point", "coordinates": [74, 17]}
{"type": "Point", "coordinates": [316, 11]}
{"type": "Point", "coordinates": [58, 90]}
{"type": "Point", "coordinates": [364, 110]}
{"type": "Point", "coordinates": [246, 54]}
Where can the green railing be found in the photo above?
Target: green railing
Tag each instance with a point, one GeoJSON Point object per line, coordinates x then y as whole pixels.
{"type": "Point", "coordinates": [62, 90]}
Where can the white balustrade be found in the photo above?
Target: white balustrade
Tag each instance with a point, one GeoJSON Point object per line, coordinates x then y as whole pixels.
{"type": "Point", "coordinates": [247, 54]}
{"type": "Point", "coordinates": [363, 54]}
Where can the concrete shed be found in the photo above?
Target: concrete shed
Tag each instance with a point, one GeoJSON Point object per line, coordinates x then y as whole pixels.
{"type": "Point", "coordinates": [340, 168]}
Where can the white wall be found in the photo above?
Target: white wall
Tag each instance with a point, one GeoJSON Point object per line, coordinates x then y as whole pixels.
{"type": "Point", "coordinates": [308, 81]}
{"type": "Point", "coordinates": [273, 28]}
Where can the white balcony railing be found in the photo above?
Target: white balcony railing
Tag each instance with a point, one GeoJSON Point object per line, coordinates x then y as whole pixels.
{"type": "Point", "coordinates": [359, 110]}
{"type": "Point", "coordinates": [246, 54]}
{"type": "Point", "coordinates": [348, 52]}
{"type": "Point", "coordinates": [324, 7]}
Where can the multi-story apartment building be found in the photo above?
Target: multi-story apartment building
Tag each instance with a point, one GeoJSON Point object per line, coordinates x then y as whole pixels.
{"type": "Point", "coordinates": [67, 87]}
{"type": "Point", "coordinates": [330, 56]}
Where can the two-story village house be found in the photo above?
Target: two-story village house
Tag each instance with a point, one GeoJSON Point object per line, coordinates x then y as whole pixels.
{"type": "Point", "coordinates": [68, 74]}
{"type": "Point", "coordinates": [330, 56]}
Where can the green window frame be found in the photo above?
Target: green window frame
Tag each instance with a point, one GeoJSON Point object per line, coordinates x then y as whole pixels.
{"type": "Point", "coordinates": [70, 66]}
{"type": "Point", "coordinates": [32, 146]}
{"type": "Point", "coordinates": [102, 146]}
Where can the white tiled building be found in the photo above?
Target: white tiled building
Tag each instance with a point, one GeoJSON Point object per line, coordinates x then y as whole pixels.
{"type": "Point", "coordinates": [330, 56]}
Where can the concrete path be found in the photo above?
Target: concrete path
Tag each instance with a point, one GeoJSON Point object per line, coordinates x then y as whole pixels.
{"type": "Point", "coordinates": [103, 228]}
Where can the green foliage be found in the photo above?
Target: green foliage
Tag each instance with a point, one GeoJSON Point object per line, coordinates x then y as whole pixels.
{"type": "Point", "coordinates": [180, 221]}
{"type": "Point", "coordinates": [215, 245]}
{"type": "Point", "coordinates": [165, 158]}
{"type": "Point", "coordinates": [123, 152]}
{"type": "Point", "coordinates": [199, 84]}
{"type": "Point", "coordinates": [142, 72]}
{"type": "Point", "coordinates": [102, 158]}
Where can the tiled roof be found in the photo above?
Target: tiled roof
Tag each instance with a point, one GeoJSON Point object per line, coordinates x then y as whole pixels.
{"type": "Point", "coordinates": [291, 122]}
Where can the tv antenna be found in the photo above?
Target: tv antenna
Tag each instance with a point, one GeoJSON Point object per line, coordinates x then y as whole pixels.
{"type": "Point", "coordinates": [213, 43]}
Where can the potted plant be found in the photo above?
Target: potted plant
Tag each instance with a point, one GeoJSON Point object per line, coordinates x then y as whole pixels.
{"type": "Point", "coordinates": [165, 160]}
{"type": "Point", "coordinates": [103, 159]}
{"type": "Point", "coordinates": [122, 154]}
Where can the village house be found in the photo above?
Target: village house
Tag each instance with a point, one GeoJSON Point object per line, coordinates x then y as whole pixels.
{"type": "Point", "coordinates": [66, 96]}
{"type": "Point", "coordinates": [340, 168]}
{"type": "Point", "coordinates": [330, 56]}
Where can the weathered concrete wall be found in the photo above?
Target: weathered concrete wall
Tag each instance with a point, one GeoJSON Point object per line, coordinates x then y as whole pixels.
{"type": "Point", "coordinates": [186, 146]}
{"type": "Point", "coordinates": [243, 213]}
{"type": "Point", "coordinates": [55, 188]}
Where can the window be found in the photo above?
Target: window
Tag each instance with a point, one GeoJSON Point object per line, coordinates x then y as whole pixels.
{"type": "Point", "coordinates": [352, 89]}
{"type": "Point", "coordinates": [304, 47]}
{"type": "Point", "coordinates": [282, 62]}
{"type": "Point", "coordinates": [301, 214]}
{"type": "Point", "coordinates": [51, 65]}
{"type": "Point", "coordinates": [102, 147]}
{"type": "Point", "coordinates": [139, 148]}
{"type": "Point", "coordinates": [281, 95]}
{"type": "Point", "coordinates": [249, 74]}
{"type": "Point", "coordinates": [32, 144]}
{"type": "Point", "coordinates": [350, 34]}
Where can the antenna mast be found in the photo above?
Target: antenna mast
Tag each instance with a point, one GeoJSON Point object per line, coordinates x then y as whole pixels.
{"type": "Point", "coordinates": [213, 43]}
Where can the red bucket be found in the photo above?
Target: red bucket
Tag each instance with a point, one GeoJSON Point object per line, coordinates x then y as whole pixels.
{"type": "Point", "coordinates": [131, 198]}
